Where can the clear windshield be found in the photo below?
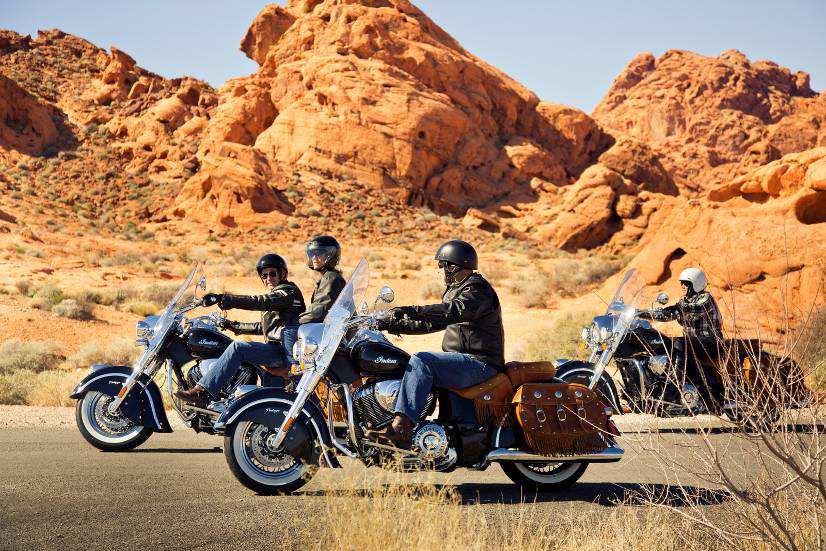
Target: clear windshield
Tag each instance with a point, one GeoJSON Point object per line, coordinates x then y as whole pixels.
{"type": "Point", "coordinates": [341, 311]}
{"type": "Point", "coordinates": [628, 293]}
{"type": "Point", "coordinates": [166, 318]}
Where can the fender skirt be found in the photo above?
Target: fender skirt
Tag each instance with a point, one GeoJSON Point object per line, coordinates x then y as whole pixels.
{"type": "Point", "coordinates": [252, 407]}
{"type": "Point", "coordinates": [143, 406]}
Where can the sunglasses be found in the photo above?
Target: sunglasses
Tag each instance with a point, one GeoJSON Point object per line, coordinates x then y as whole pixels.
{"type": "Point", "coordinates": [271, 273]}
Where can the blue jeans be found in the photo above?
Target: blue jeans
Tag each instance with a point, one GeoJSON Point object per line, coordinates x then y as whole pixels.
{"type": "Point", "coordinates": [223, 369]}
{"type": "Point", "coordinates": [288, 337]}
{"type": "Point", "coordinates": [441, 369]}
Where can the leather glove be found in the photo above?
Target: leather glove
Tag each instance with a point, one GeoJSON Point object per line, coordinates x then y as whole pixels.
{"type": "Point", "coordinates": [385, 324]}
{"type": "Point", "coordinates": [211, 299]}
{"type": "Point", "coordinates": [401, 312]}
{"type": "Point", "coordinates": [224, 323]}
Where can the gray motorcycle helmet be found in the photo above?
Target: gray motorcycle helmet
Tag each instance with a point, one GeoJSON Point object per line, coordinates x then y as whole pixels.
{"type": "Point", "coordinates": [695, 278]}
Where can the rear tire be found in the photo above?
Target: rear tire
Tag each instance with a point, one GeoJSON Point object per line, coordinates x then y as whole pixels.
{"type": "Point", "coordinates": [556, 476]}
{"type": "Point", "coordinates": [107, 432]}
{"type": "Point", "coordinates": [259, 469]}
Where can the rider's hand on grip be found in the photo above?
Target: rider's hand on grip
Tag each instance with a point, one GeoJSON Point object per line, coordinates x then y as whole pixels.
{"type": "Point", "coordinates": [211, 299]}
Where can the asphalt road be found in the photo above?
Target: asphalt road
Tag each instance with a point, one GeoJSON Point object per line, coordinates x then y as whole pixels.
{"type": "Point", "coordinates": [176, 491]}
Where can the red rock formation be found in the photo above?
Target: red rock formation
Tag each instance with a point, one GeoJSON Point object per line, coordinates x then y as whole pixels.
{"type": "Point", "coordinates": [25, 123]}
{"type": "Point", "coordinates": [711, 119]}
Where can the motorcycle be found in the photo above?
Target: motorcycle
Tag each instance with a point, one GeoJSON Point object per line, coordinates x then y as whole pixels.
{"type": "Point", "coordinates": [652, 368]}
{"type": "Point", "coordinates": [543, 432]}
{"type": "Point", "coordinates": [119, 407]}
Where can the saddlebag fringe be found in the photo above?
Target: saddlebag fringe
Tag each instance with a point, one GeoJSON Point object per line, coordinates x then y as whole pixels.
{"type": "Point", "coordinates": [560, 418]}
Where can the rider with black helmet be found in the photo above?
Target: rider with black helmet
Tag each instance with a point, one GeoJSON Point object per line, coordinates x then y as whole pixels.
{"type": "Point", "coordinates": [323, 254]}
{"type": "Point", "coordinates": [474, 341]}
{"type": "Point", "coordinates": [280, 308]}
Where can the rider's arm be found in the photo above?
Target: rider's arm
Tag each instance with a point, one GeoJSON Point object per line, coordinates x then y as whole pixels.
{"type": "Point", "coordinates": [468, 305]}
{"type": "Point", "coordinates": [276, 300]}
{"type": "Point", "coordinates": [245, 328]}
{"type": "Point", "coordinates": [669, 313]}
{"type": "Point", "coordinates": [329, 287]}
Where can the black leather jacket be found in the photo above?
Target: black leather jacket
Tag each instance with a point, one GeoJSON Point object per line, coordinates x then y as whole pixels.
{"type": "Point", "coordinates": [698, 314]}
{"type": "Point", "coordinates": [280, 307]}
{"type": "Point", "coordinates": [324, 295]}
{"type": "Point", "coordinates": [471, 316]}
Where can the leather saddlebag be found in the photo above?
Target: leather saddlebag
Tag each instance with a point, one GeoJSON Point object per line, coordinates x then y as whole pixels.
{"type": "Point", "coordinates": [560, 419]}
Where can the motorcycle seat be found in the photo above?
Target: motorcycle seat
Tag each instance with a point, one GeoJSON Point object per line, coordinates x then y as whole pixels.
{"type": "Point", "coordinates": [520, 373]}
{"type": "Point", "coordinates": [498, 382]}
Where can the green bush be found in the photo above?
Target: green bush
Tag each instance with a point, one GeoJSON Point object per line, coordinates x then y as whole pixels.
{"type": "Point", "coordinates": [47, 297]}
{"type": "Point", "coordinates": [28, 356]}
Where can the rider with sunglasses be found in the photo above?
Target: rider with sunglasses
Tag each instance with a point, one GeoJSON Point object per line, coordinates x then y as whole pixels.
{"type": "Point", "coordinates": [323, 254]}
{"type": "Point", "coordinates": [280, 308]}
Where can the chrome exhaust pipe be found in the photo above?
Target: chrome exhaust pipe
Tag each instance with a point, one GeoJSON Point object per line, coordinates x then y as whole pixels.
{"type": "Point", "coordinates": [608, 455]}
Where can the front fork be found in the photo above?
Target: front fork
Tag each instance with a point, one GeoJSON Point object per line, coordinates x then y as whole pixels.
{"type": "Point", "coordinates": [309, 380]}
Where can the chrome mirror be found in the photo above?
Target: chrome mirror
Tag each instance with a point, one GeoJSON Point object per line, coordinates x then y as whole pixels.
{"type": "Point", "coordinates": [662, 298]}
{"type": "Point", "coordinates": [363, 308]}
{"type": "Point", "coordinates": [202, 283]}
{"type": "Point", "coordinates": [386, 294]}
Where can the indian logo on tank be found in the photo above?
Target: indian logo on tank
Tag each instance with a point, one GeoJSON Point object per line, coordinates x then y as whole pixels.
{"type": "Point", "coordinates": [383, 360]}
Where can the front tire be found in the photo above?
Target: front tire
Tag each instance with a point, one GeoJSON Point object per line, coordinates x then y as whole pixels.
{"type": "Point", "coordinates": [544, 477]}
{"type": "Point", "coordinates": [106, 431]}
{"type": "Point", "coordinates": [261, 469]}
{"type": "Point", "coordinates": [582, 373]}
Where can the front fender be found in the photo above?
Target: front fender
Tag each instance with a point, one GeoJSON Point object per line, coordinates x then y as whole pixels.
{"type": "Point", "coordinates": [144, 408]}
{"type": "Point", "coordinates": [576, 367]}
{"type": "Point", "coordinates": [247, 408]}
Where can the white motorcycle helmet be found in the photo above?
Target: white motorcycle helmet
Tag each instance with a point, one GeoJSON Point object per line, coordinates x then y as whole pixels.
{"type": "Point", "coordinates": [695, 278]}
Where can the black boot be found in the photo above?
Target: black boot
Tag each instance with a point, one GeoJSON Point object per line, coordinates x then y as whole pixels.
{"type": "Point", "coordinates": [197, 396]}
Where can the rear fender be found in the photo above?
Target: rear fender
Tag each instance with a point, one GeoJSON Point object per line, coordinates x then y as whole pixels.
{"type": "Point", "coordinates": [252, 406]}
{"type": "Point", "coordinates": [570, 367]}
{"type": "Point", "coordinates": [142, 407]}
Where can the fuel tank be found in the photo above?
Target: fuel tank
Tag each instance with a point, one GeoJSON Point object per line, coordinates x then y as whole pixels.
{"type": "Point", "coordinates": [206, 343]}
{"type": "Point", "coordinates": [380, 358]}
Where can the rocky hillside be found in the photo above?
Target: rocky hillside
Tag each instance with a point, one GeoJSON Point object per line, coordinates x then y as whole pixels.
{"type": "Point", "coordinates": [367, 120]}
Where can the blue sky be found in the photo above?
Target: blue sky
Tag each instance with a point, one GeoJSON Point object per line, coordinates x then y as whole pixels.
{"type": "Point", "coordinates": [566, 52]}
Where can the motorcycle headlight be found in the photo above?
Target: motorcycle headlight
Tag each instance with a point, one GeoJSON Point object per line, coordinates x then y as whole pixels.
{"type": "Point", "coordinates": [604, 334]}
{"type": "Point", "coordinates": [586, 333]}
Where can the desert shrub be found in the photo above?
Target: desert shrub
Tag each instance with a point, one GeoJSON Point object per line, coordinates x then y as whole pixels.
{"type": "Point", "coordinates": [160, 294]}
{"type": "Point", "coordinates": [115, 297]}
{"type": "Point", "coordinates": [14, 387]}
{"type": "Point", "coordinates": [73, 309]}
{"type": "Point", "coordinates": [406, 264]}
{"type": "Point", "coordinates": [47, 297]}
{"type": "Point", "coordinates": [813, 350]}
{"type": "Point", "coordinates": [28, 356]}
{"type": "Point", "coordinates": [496, 271]}
{"type": "Point", "coordinates": [572, 276]}
{"type": "Point", "coordinates": [52, 388]}
{"type": "Point", "coordinates": [88, 296]}
{"type": "Point", "coordinates": [23, 286]}
{"type": "Point", "coordinates": [117, 352]}
{"type": "Point", "coordinates": [141, 307]}
{"type": "Point", "coordinates": [533, 291]}
{"type": "Point", "coordinates": [432, 289]}
{"type": "Point", "coordinates": [559, 340]}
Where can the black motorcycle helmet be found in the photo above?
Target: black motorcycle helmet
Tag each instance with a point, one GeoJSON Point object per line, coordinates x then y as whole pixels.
{"type": "Point", "coordinates": [459, 253]}
{"type": "Point", "coordinates": [272, 260]}
{"type": "Point", "coordinates": [325, 246]}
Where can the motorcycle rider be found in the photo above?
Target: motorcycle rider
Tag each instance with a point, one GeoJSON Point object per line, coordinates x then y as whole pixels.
{"type": "Point", "coordinates": [323, 255]}
{"type": "Point", "coordinates": [700, 318]}
{"type": "Point", "coordinates": [474, 341]}
{"type": "Point", "coordinates": [280, 308]}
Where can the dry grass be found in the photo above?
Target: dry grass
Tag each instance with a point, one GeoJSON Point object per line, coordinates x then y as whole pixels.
{"type": "Point", "coordinates": [73, 309]}
{"type": "Point", "coordinates": [52, 388]}
{"type": "Point", "coordinates": [559, 340]}
{"type": "Point", "coordinates": [141, 307]}
{"type": "Point", "coordinates": [33, 356]}
{"type": "Point", "coordinates": [533, 290]}
{"type": "Point", "coordinates": [394, 514]}
{"type": "Point", "coordinates": [571, 277]}
{"type": "Point", "coordinates": [118, 352]}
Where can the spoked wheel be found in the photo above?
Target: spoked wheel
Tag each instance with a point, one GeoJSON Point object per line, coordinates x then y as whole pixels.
{"type": "Point", "coordinates": [104, 430]}
{"type": "Point", "coordinates": [544, 477]}
{"type": "Point", "coordinates": [261, 468]}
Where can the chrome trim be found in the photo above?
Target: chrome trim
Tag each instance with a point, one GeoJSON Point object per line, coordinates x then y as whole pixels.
{"type": "Point", "coordinates": [351, 421]}
{"type": "Point", "coordinates": [340, 445]}
{"type": "Point", "coordinates": [187, 422]}
{"type": "Point", "coordinates": [608, 455]}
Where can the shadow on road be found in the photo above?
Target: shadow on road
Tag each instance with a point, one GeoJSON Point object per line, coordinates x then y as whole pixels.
{"type": "Point", "coordinates": [601, 493]}
{"type": "Point", "coordinates": [178, 450]}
